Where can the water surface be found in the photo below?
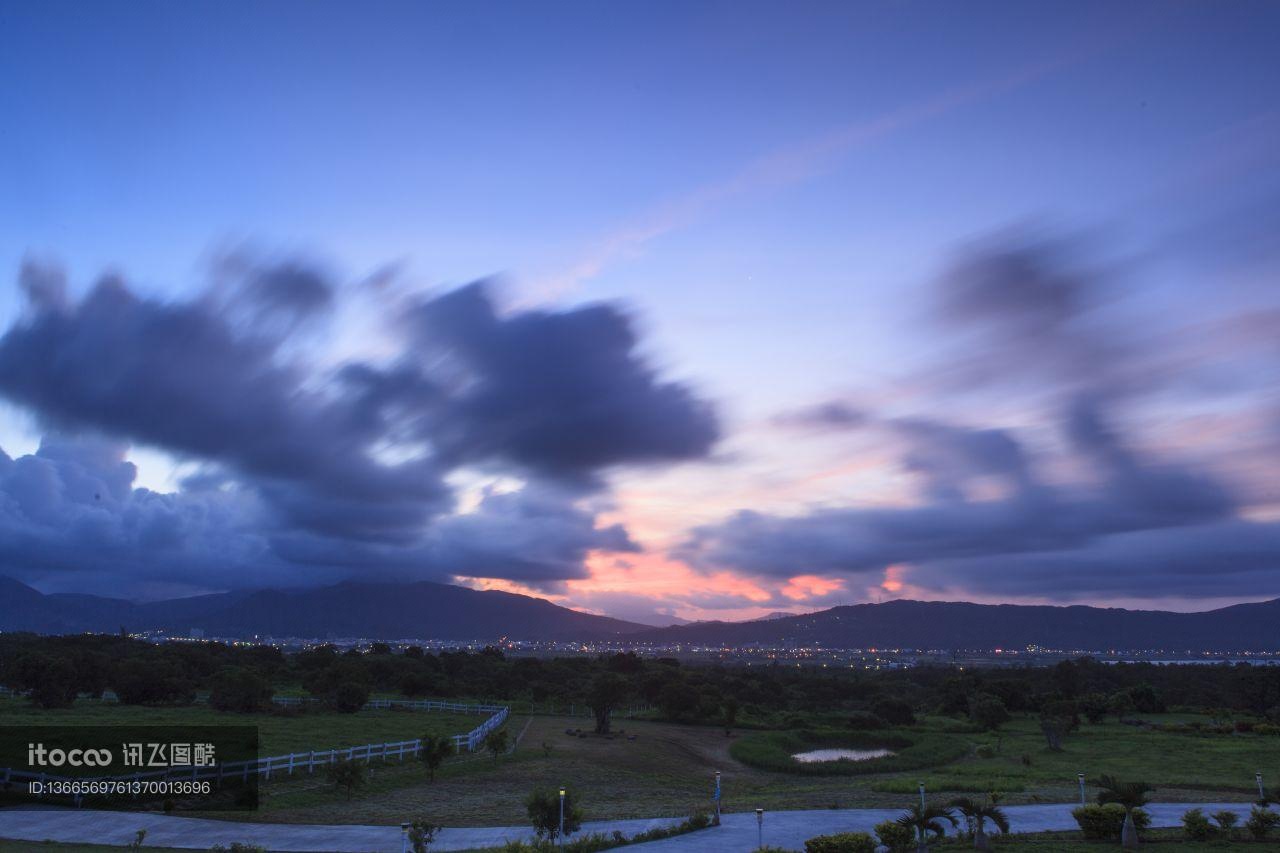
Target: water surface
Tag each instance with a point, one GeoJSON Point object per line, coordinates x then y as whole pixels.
{"type": "Point", "coordinates": [816, 755]}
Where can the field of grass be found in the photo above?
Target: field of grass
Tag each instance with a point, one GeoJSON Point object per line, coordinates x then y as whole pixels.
{"type": "Point", "coordinates": [278, 733]}
{"type": "Point", "coordinates": [667, 769]}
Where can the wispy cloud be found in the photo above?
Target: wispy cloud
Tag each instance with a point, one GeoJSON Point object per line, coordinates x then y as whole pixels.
{"type": "Point", "coordinates": [779, 169]}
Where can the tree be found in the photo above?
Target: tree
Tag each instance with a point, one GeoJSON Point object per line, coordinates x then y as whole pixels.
{"type": "Point", "coordinates": [421, 834]}
{"type": "Point", "coordinates": [435, 749]}
{"type": "Point", "coordinates": [497, 743]}
{"type": "Point", "coordinates": [730, 714]}
{"type": "Point", "coordinates": [1131, 795]}
{"type": "Point", "coordinates": [988, 711]}
{"type": "Point", "coordinates": [978, 812]}
{"type": "Point", "coordinates": [607, 690]}
{"type": "Point", "coordinates": [1057, 719]}
{"type": "Point", "coordinates": [1094, 707]}
{"type": "Point", "coordinates": [349, 697]}
{"type": "Point", "coordinates": [543, 807]}
{"type": "Point", "coordinates": [894, 711]}
{"type": "Point", "coordinates": [346, 775]}
{"type": "Point", "coordinates": [1120, 704]}
{"type": "Point", "coordinates": [678, 700]}
{"type": "Point", "coordinates": [235, 688]}
{"type": "Point", "coordinates": [52, 681]}
{"type": "Point", "coordinates": [926, 820]}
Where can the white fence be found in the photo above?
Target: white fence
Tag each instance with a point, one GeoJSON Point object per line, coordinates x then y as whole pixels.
{"type": "Point", "coordinates": [295, 762]}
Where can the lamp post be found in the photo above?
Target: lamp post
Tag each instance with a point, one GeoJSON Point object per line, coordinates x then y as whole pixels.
{"type": "Point", "coordinates": [760, 828]}
{"type": "Point", "coordinates": [1262, 794]}
{"type": "Point", "coordinates": [1080, 779]}
{"type": "Point", "coordinates": [717, 799]}
{"type": "Point", "coordinates": [561, 835]}
{"type": "Point", "coordinates": [921, 784]}
{"type": "Point", "coordinates": [404, 838]}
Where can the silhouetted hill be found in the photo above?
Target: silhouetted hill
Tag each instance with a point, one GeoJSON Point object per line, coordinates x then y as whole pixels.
{"type": "Point", "coordinates": [953, 625]}
{"type": "Point", "coordinates": [388, 611]}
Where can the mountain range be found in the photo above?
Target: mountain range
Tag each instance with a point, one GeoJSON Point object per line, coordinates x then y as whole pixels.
{"type": "Point", "coordinates": [958, 625]}
{"type": "Point", "coordinates": [376, 610]}
{"type": "Point", "coordinates": [441, 611]}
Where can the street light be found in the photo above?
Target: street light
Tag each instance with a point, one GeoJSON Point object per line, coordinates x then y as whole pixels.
{"type": "Point", "coordinates": [404, 838]}
{"type": "Point", "coordinates": [1262, 795]}
{"type": "Point", "coordinates": [717, 799]}
{"type": "Point", "coordinates": [921, 784]}
{"type": "Point", "coordinates": [1080, 779]}
{"type": "Point", "coordinates": [562, 817]}
{"type": "Point", "coordinates": [760, 828]}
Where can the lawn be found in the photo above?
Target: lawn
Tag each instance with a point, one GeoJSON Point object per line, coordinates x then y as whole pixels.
{"type": "Point", "coordinates": [1171, 840]}
{"type": "Point", "coordinates": [667, 771]}
{"type": "Point", "coordinates": [279, 733]}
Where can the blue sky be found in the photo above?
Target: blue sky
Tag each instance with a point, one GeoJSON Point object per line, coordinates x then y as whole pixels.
{"type": "Point", "coordinates": [773, 191]}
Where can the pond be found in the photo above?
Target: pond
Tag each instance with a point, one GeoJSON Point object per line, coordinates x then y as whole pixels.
{"type": "Point", "coordinates": [816, 755]}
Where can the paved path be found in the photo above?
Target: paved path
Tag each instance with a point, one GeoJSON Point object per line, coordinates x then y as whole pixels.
{"type": "Point", "coordinates": [736, 834]}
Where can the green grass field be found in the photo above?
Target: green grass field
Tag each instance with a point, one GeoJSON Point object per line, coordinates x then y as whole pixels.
{"type": "Point", "coordinates": [278, 733]}
{"type": "Point", "coordinates": [667, 770]}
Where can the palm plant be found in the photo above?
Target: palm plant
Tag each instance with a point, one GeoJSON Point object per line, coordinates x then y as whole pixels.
{"type": "Point", "coordinates": [1131, 795]}
{"type": "Point", "coordinates": [977, 812]}
{"type": "Point", "coordinates": [926, 820]}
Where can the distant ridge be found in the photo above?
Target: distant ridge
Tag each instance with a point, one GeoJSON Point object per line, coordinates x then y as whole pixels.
{"type": "Point", "coordinates": [958, 625]}
{"type": "Point", "coordinates": [441, 611]}
{"type": "Point", "coordinates": [374, 610]}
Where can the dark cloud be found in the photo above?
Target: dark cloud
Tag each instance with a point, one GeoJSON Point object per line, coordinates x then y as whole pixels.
{"type": "Point", "coordinates": [343, 469]}
{"type": "Point", "coordinates": [1030, 315]}
{"type": "Point", "coordinates": [561, 394]}
{"type": "Point", "coordinates": [71, 509]}
{"type": "Point", "coordinates": [832, 414]}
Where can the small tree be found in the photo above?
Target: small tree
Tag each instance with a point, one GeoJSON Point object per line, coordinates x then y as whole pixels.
{"type": "Point", "coordinates": [606, 692]}
{"type": "Point", "coordinates": [1121, 704]}
{"type": "Point", "coordinates": [978, 812]}
{"type": "Point", "coordinates": [988, 711]}
{"type": "Point", "coordinates": [730, 714]}
{"type": "Point", "coordinates": [52, 681]}
{"type": "Point", "coordinates": [1261, 821]}
{"type": "Point", "coordinates": [497, 743]}
{"type": "Point", "coordinates": [346, 775]}
{"type": "Point", "coordinates": [421, 834]}
{"type": "Point", "coordinates": [1131, 795]}
{"type": "Point", "coordinates": [543, 807]}
{"type": "Point", "coordinates": [926, 820]}
{"type": "Point", "coordinates": [235, 688]}
{"type": "Point", "coordinates": [434, 751]}
{"type": "Point", "coordinates": [1057, 719]}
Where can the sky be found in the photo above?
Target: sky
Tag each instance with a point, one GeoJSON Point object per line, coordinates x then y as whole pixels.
{"type": "Point", "coordinates": [669, 311]}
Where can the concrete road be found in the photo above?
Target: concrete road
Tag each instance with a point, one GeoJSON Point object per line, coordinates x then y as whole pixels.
{"type": "Point", "coordinates": [738, 832]}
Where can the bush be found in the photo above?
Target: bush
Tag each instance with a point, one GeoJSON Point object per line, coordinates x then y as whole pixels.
{"type": "Point", "coordinates": [1104, 823]}
{"type": "Point", "coordinates": [986, 750]}
{"type": "Point", "coordinates": [1197, 826]}
{"type": "Point", "coordinates": [895, 712]}
{"type": "Point", "coordinates": [895, 836]}
{"type": "Point", "coordinates": [238, 689]}
{"type": "Point", "coordinates": [987, 711]}
{"type": "Point", "coordinates": [1261, 821]}
{"type": "Point", "coordinates": [1226, 820]}
{"type": "Point", "coordinates": [346, 775]}
{"type": "Point", "coordinates": [844, 842]}
{"type": "Point", "coordinates": [862, 721]}
{"type": "Point", "coordinates": [543, 808]}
